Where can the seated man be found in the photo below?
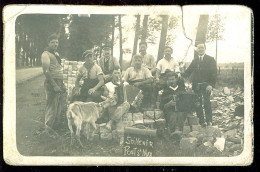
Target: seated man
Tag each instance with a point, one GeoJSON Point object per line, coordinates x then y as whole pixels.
{"type": "Point", "coordinates": [174, 118]}
{"type": "Point", "coordinates": [108, 63]}
{"type": "Point", "coordinates": [111, 89]}
{"type": "Point", "coordinates": [140, 77]}
{"type": "Point", "coordinates": [92, 75]}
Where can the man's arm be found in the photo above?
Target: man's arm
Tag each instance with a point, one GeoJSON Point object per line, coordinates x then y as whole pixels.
{"type": "Point", "coordinates": [45, 66]}
{"type": "Point", "coordinates": [213, 67]}
{"type": "Point", "coordinates": [190, 69]}
{"type": "Point", "coordinates": [100, 83]}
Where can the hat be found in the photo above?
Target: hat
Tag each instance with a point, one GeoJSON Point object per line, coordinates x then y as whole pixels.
{"type": "Point", "coordinates": [86, 53]}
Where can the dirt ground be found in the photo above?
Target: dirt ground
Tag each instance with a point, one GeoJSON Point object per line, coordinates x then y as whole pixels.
{"type": "Point", "coordinates": [32, 140]}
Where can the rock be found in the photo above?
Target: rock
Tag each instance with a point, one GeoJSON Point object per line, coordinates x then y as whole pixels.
{"type": "Point", "coordinates": [186, 129]}
{"type": "Point", "coordinates": [230, 98]}
{"type": "Point", "coordinates": [213, 131]}
{"type": "Point", "coordinates": [230, 133]}
{"type": "Point", "coordinates": [149, 115]}
{"type": "Point", "coordinates": [220, 143]}
{"type": "Point", "coordinates": [158, 114]}
{"type": "Point", "coordinates": [188, 143]}
{"type": "Point", "coordinates": [214, 103]}
{"type": "Point", "coordinates": [227, 91]}
{"type": "Point", "coordinates": [193, 134]}
{"type": "Point", "coordinates": [234, 140]}
{"type": "Point", "coordinates": [128, 123]}
{"type": "Point", "coordinates": [196, 127]}
{"type": "Point", "coordinates": [106, 136]}
{"type": "Point", "coordinates": [228, 144]}
{"type": "Point", "coordinates": [239, 111]}
{"type": "Point", "coordinates": [149, 123]}
{"type": "Point", "coordinates": [138, 121]}
{"type": "Point", "coordinates": [138, 116]}
{"type": "Point", "coordinates": [208, 144]}
{"type": "Point", "coordinates": [103, 128]}
{"type": "Point", "coordinates": [192, 120]}
{"type": "Point", "coordinates": [127, 117]}
{"type": "Point", "coordinates": [160, 123]}
{"type": "Point", "coordinates": [208, 139]}
{"type": "Point", "coordinates": [235, 147]}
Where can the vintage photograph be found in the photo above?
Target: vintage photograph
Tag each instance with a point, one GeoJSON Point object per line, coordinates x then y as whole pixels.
{"type": "Point", "coordinates": [141, 82]}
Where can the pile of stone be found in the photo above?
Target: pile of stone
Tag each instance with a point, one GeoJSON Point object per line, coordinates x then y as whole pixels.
{"type": "Point", "coordinates": [70, 71]}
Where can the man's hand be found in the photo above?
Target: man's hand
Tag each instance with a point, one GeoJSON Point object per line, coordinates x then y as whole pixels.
{"type": "Point", "coordinates": [208, 89]}
{"type": "Point", "coordinates": [77, 91]}
{"type": "Point", "coordinates": [179, 75]}
{"type": "Point", "coordinates": [91, 91]}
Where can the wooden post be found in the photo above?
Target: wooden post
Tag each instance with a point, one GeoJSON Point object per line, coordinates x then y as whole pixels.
{"type": "Point", "coordinates": [144, 30]}
{"type": "Point", "coordinates": [163, 37]}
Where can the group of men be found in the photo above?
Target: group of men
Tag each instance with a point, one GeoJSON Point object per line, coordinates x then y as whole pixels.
{"type": "Point", "coordinates": [102, 77]}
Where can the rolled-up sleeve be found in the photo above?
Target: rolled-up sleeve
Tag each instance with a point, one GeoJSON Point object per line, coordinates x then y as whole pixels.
{"type": "Point", "coordinates": [177, 67]}
{"type": "Point", "coordinates": [147, 73]}
{"type": "Point", "coordinates": [99, 70]}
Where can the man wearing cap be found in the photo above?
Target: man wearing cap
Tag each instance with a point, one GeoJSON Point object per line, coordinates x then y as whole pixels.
{"type": "Point", "coordinates": [54, 87]}
{"type": "Point", "coordinates": [107, 63]}
{"type": "Point", "coordinates": [92, 75]}
{"type": "Point", "coordinates": [140, 77]}
{"type": "Point", "coordinates": [148, 59]}
{"type": "Point", "coordinates": [204, 74]}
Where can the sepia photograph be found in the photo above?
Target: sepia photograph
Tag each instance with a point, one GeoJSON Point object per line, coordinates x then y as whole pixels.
{"type": "Point", "coordinates": [158, 85]}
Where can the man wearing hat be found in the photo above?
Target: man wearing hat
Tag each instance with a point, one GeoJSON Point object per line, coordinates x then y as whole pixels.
{"type": "Point", "coordinates": [54, 87]}
{"type": "Point", "coordinates": [92, 75]}
{"type": "Point", "coordinates": [148, 59]}
{"type": "Point", "coordinates": [107, 62]}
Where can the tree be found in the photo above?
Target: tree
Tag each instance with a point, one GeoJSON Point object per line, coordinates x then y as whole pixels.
{"type": "Point", "coordinates": [215, 30]}
{"type": "Point", "coordinates": [137, 29]}
{"type": "Point", "coordinates": [144, 29]}
{"type": "Point", "coordinates": [120, 41]}
{"type": "Point", "coordinates": [163, 36]}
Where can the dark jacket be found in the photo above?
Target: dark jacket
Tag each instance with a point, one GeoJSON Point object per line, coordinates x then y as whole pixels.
{"type": "Point", "coordinates": [206, 71]}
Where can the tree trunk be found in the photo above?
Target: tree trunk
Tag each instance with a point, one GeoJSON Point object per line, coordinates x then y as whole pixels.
{"type": "Point", "coordinates": [120, 41]}
{"type": "Point", "coordinates": [137, 28]}
{"type": "Point", "coordinates": [113, 36]}
{"type": "Point", "coordinates": [17, 50]}
{"type": "Point", "coordinates": [163, 37]}
{"type": "Point", "coordinates": [144, 30]}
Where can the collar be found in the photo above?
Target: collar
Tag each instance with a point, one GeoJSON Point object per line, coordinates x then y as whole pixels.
{"type": "Point", "coordinates": [168, 60]}
{"type": "Point", "coordinates": [202, 56]}
{"type": "Point", "coordinates": [174, 89]}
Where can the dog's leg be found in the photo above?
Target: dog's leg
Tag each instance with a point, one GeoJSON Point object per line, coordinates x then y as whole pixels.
{"type": "Point", "coordinates": [70, 123]}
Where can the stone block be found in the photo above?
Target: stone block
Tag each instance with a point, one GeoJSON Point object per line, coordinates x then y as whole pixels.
{"type": "Point", "coordinates": [160, 123]}
{"type": "Point", "coordinates": [138, 116]}
{"type": "Point", "coordinates": [188, 143]}
{"type": "Point", "coordinates": [194, 134]}
{"type": "Point", "coordinates": [234, 140]}
{"type": "Point", "coordinates": [231, 133]}
{"type": "Point", "coordinates": [149, 115]}
{"type": "Point", "coordinates": [186, 129]}
{"type": "Point", "coordinates": [235, 147]}
{"type": "Point", "coordinates": [138, 121]}
{"type": "Point", "coordinates": [227, 91]}
{"type": "Point", "coordinates": [127, 117]}
{"type": "Point", "coordinates": [103, 128]}
{"type": "Point", "coordinates": [214, 103]}
{"type": "Point", "coordinates": [213, 131]}
{"type": "Point", "coordinates": [196, 127]}
{"type": "Point", "coordinates": [192, 120]}
{"type": "Point", "coordinates": [220, 143]}
{"type": "Point", "coordinates": [106, 136]}
{"type": "Point", "coordinates": [158, 114]}
{"type": "Point", "coordinates": [128, 123]}
{"type": "Point", "coordinates": [149, 123]}
{"type": "Point", "coordinates": [208, 139]}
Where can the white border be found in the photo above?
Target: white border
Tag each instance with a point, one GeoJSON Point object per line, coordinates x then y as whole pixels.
{"type": "Point", "coordinates": [11, 154]}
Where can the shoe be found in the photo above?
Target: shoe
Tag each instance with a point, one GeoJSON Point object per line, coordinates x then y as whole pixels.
{"type": "Point", "coordinates": [209, 123]}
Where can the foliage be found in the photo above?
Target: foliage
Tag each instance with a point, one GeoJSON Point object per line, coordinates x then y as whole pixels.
{"type": "Point", "coordinates": [215, 28]}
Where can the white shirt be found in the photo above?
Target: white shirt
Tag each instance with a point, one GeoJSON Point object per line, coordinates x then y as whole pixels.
{"type": "Point", "coordinates": [111, 88]}
{"type": "Point", "coordinates": [164, 64]}
{"type": "Point", "coordinates": [201, 57]}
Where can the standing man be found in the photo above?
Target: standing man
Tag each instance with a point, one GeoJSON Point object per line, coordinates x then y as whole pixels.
{"type": "Point", "coordinates": [204, 74]}
{"type": "Point", "coordinates": [92, 75]}
{"type": "Point", "coordinates": [107, 63]}
{"type": "Point", "coordinates": [54, 87]}
{"type": "Point", "coordinates": [148, 59]}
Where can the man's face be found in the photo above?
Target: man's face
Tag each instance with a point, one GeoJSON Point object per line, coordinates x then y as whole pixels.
{"type": "Point", "coordinates": [116, 75]}
{"type": "Point", "coordinates": [172, 81]}
{"type": "Point", "coordinates": [167, 52]}
{"type": "Point", "coordinates": [201, 49]}
{"type": "Point", "coordinates": [89, 59]}
{"type": "Point", "coordinates": [106, 51]}
{"type": "Point", "coordinates": [53, 44]}
{"type": "Point", "coordinates": [138, 62]}
{"type": "Point", "coordinates": [142, 48]}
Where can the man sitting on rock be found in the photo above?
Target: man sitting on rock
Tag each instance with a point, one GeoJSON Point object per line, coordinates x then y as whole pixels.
{"type": "Point", "coordinates": [141, 77]}
{"type": "Point", "coordinates": [92, 75]}
{"type": "Point", "coordinates": [114, 113]}
{"type": "Point", "coordinates": [174, 118]}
